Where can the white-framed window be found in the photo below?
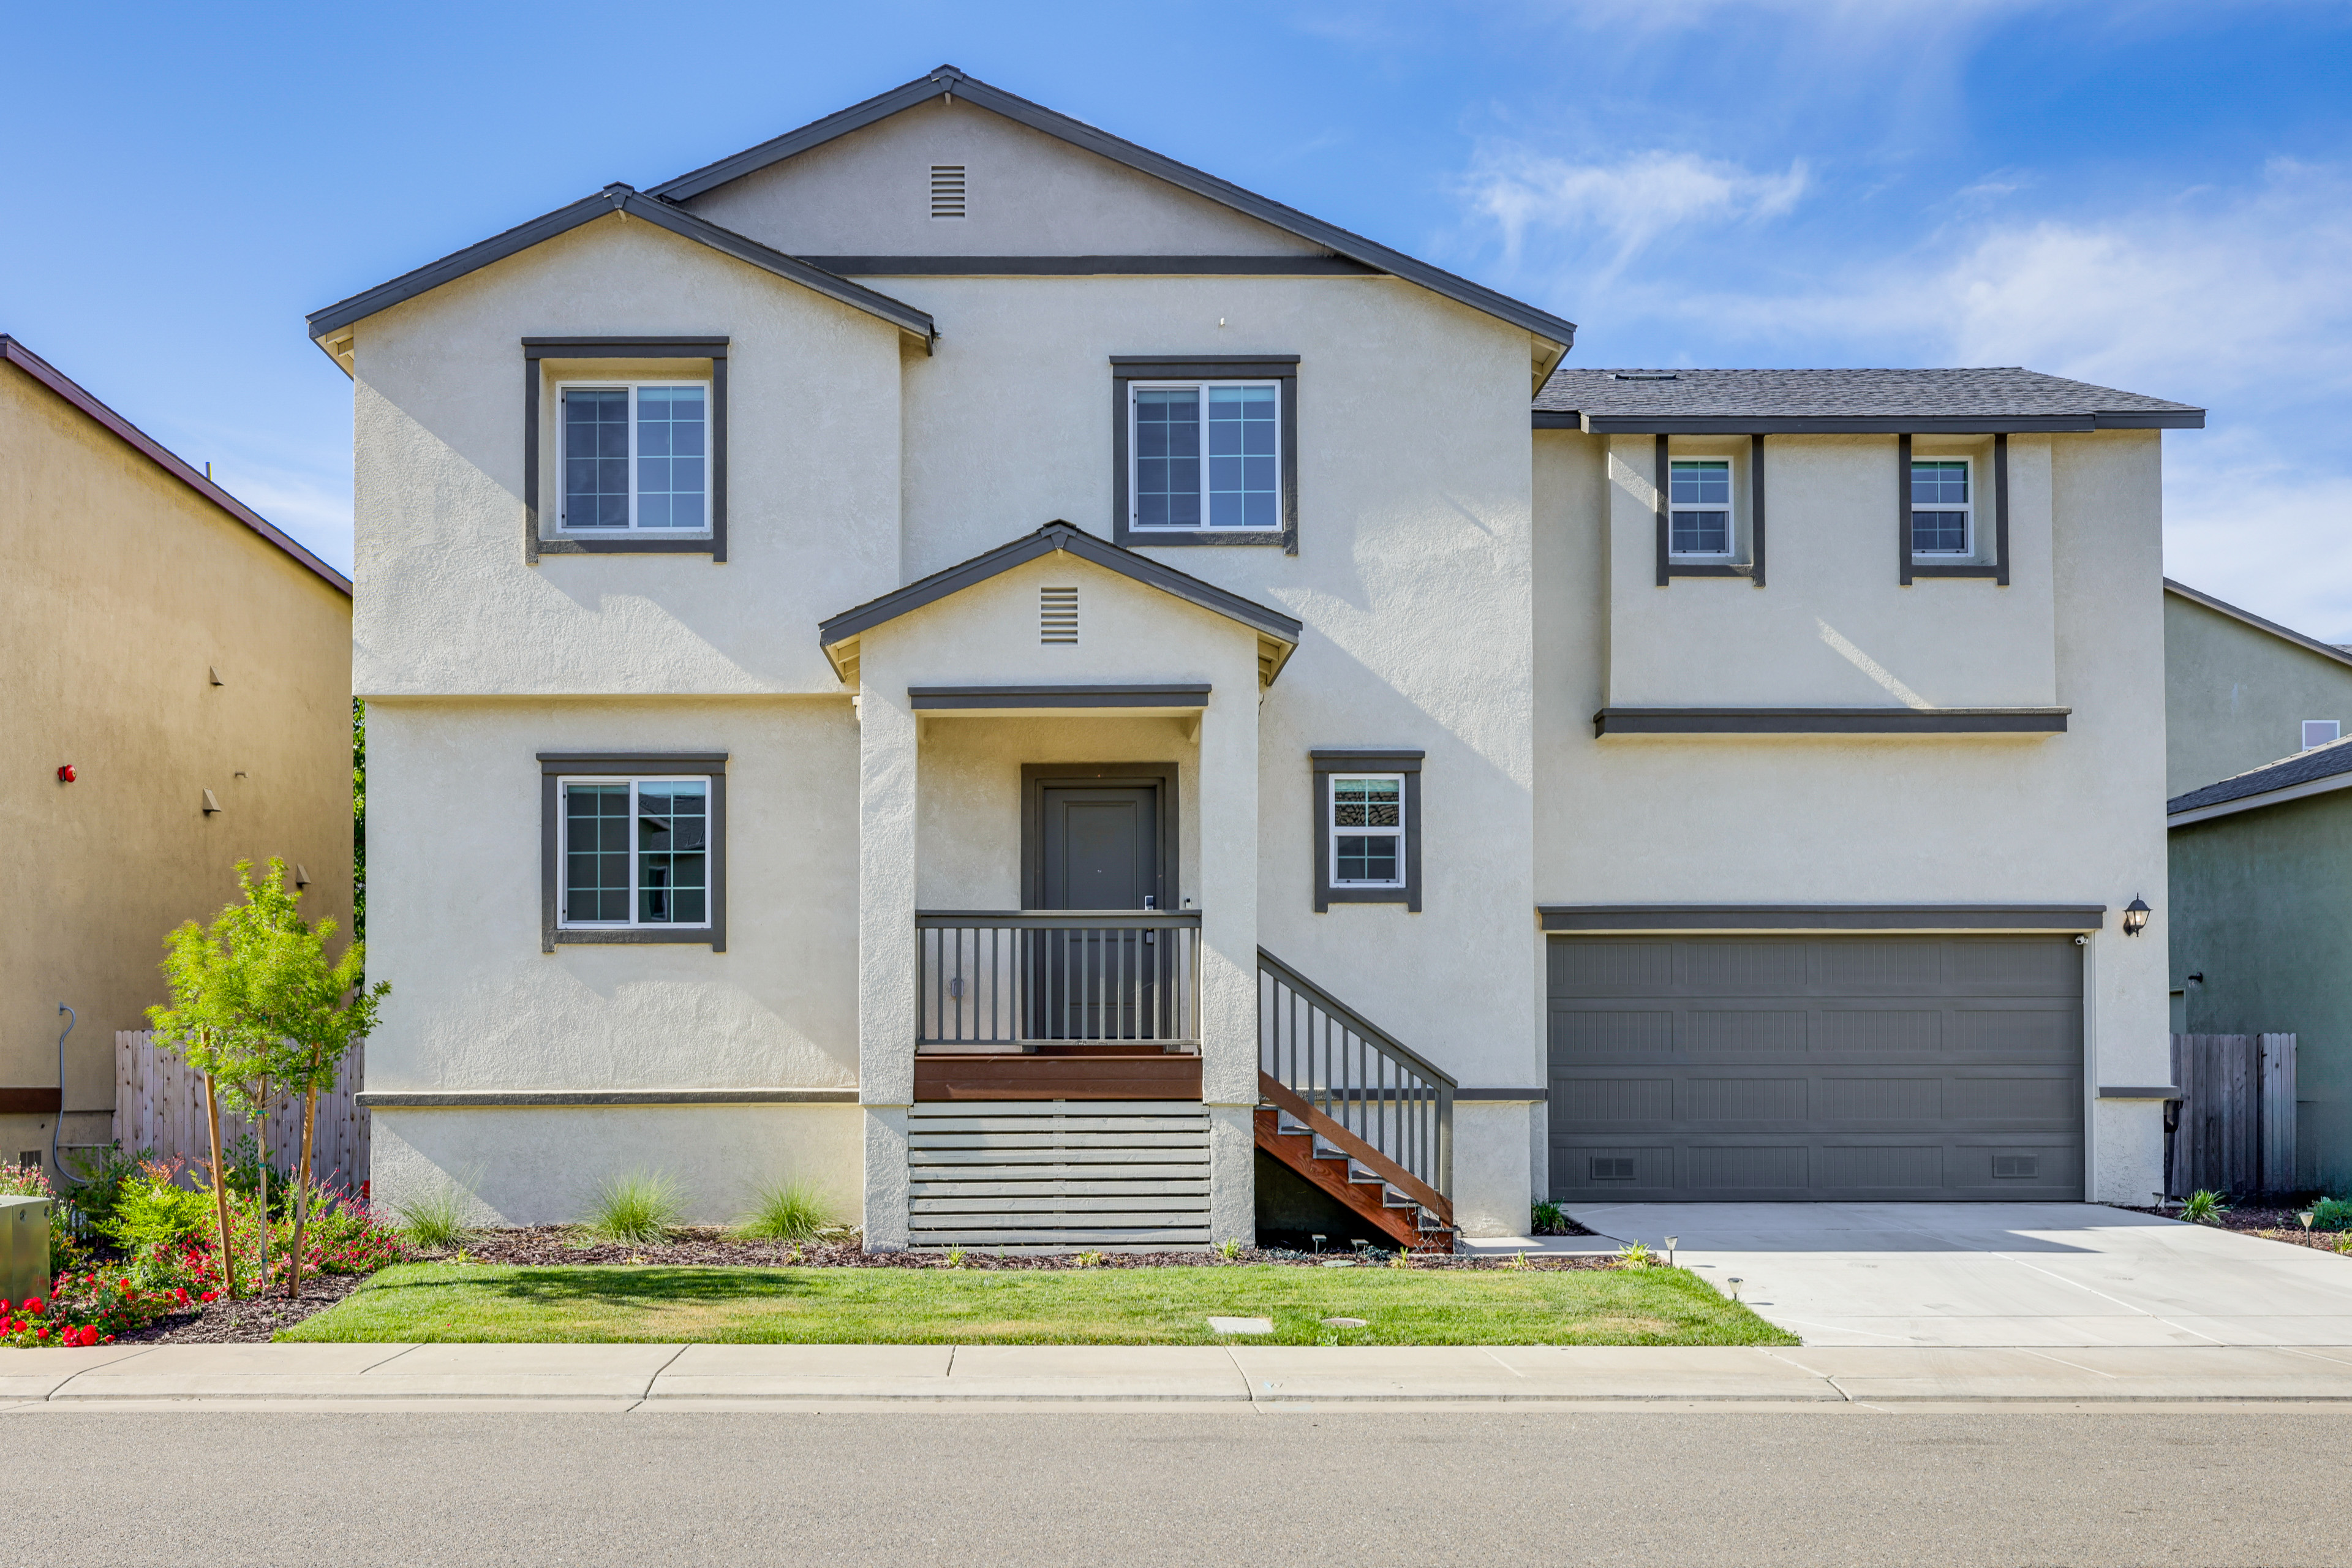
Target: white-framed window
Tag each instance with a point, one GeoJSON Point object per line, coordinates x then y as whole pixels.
{"type": "Point", "coordinates": [635, 456]}
{"type": "Point", "coordinates": [1698, 508]}
{"type": "Point", "coordinates": [1943, 507]}
{"type": "Point", "coordinates": [635, 852]}
{"type": "Point", "coordinates": [2321, 733]}
{"type": "Point", "coordinates": [1204, 454]}
{"type": "Point", "coordinates": [1367, 830]}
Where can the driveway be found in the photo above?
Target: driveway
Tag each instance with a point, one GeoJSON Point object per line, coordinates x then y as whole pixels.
{"type": "Point", "coordinates": [1998, 1274]}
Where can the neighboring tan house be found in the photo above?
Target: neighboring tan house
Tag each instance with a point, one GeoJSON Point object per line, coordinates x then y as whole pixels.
{"type": "Point", "coordinates": [809, 735]}
{"type": "Point", "coordinates": [178, 697]}
{"type": "Point", "coordinates": [2261, 852]}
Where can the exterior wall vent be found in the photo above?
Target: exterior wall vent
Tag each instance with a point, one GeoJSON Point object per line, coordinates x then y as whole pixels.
{"type": "Point", "coordinates": [2321, 733]}
{"type": "Point", "coordinates": [2016, 1166]}
{"type": "Point", "coordinates": [1057, 615]}
{"type": "Point", "coordinates": [947, 190]}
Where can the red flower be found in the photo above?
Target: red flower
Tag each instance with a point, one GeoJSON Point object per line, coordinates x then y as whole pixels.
{"type": "Point", "coordinates": [89, 1335]}
{"type": "Point", "coordinates": [32, 1305]}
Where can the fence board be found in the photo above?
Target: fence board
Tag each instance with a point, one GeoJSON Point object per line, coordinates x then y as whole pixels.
{"type": "Point", "coordinates": [159, 1104]}
{"type": "Point", "coordinates": [2237, 1128]}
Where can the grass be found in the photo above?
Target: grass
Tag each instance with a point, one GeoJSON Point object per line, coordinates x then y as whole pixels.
{"type": "Point", "coordinates": [1094, 1306]}
{"type": "Point", "coordinates": [433, 1219]}
{"type": "Point", "coordinates": [785, 1210]}
{"type": "Point", "coordinates": [635, 1207]}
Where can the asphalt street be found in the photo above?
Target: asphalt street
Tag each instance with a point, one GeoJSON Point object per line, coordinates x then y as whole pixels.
{"type": "Point", "coordinates": [1834, 1486]}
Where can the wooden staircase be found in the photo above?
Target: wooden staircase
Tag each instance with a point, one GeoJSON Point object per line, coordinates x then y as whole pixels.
{"type": "Point", "coordinates": [1367, 1183]}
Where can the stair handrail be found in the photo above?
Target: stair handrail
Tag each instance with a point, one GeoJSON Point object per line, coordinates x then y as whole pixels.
{"type": "Point", "coordinates": [1438, 1151]}
{"type": "Point", "coordinates": [1389, 1044]}
{"type": "Point", "coordinates": [1280, 1095]}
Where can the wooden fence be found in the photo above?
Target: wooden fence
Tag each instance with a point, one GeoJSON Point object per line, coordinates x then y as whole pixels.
{"type": "Point", "coordinates": [159, 1104]}
{"type": "Point", "coordinates": [2236, 1131]}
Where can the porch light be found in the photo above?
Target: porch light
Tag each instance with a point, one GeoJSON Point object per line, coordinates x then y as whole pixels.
{"type": "Point", "coordinates": [2135, 917]}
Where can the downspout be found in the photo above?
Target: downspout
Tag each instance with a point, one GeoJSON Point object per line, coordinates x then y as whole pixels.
{"type": "Point", "coordinates": [58, 1119]}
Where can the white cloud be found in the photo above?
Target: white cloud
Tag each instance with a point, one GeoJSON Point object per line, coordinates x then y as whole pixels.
{"type": "Point", "coordinates": [1621, 209]}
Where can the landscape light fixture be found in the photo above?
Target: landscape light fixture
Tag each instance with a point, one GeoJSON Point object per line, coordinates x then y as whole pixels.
{"type": "Point", "coordinates": [2136, 916]}
{"type": "Point", "coordinates": [1670, 1242]}
{"type": "Point", "coordinates": [2305, 1217]}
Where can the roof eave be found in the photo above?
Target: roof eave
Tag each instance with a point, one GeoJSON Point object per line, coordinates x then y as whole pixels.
{"type": "Point", "coordinates": [947, 81]}
{"type": "Point", "coordinates": [2258, 799]}
{"type": "Point", "coordinates": [612, 199]}
{"type": "Point", "coordinates": [2287, 634]}
{"type": "Point", "coordinates": [1863, 424]}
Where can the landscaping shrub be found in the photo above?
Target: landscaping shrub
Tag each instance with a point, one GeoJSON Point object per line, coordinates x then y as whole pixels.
{"type": "Point", "coordinates": [2203, 1207]}
{"type": "Point", "coordinates": [637, 1207]}
{"type": "Point", "coordinates": [152, 1209]}
{"type": "Point", "coordinates": [2332, 1214]}
{"type": "Point", "coordinates": [88, 1307]}
{"type": "Point", "coordinates": [1547, 1219]}
{"type": "Point", "coordinates": [434, 1219]}
{"type": "Point", "coordinates": [785, 1210]}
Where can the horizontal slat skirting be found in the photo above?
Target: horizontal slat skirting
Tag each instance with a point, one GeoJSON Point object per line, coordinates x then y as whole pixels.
{"type": "Point", "coordinates": [938, 1125]}
{"type": "Point", "coordinates": [1122, 1140]}
{"type": "Point", "coordinates": [1075, 1237]}
{"type": "Point", "coordinates": [1076, 1187]}
{"type": "Point", "coordinates": [1034, 1175]}
{"type": "Point", "coordinates": [1046, 1159]}
{"type": "Point", "coordinates": [1147, 1208]}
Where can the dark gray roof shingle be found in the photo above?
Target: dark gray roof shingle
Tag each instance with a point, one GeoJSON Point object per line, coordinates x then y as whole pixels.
{"type": "Point", "coordinates": [2304, 767]}
{"type": "Point", "coordinates": [2006, 397]}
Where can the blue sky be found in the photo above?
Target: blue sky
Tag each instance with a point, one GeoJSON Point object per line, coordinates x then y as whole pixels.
{"type": "Point", "coordinates": [2156, 196]}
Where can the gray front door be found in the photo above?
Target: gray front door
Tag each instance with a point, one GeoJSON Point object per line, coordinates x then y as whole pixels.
{"type": "Point", "coordinates": [1100, 851]}
{"type": "Point", "coordinates": [1723, 1068]}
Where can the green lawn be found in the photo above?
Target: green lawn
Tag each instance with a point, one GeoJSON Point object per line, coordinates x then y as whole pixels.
{"type": "Point", "coordinates": [440, 1301]}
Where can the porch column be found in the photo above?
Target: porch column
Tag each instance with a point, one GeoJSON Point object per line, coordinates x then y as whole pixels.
{"type": "Point", "coordinates": [886, 947]}
{"type": "Point", "coordinates": [1229, 855]}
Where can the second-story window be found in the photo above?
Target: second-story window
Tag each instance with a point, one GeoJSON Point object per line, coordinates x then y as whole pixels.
{"type": "Point", "coordinates": [635, 456]}
{"type": "Point", "coordinates": [1206, 455]}
{"type": "Point", "coordinates": [1699, 502]}
{"type": "Point", "coordinates": [1367, 830]}
{"type": "Point", "coordinates": [1941, 510]}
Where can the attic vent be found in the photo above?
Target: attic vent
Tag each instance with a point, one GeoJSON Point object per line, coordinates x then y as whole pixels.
{"type": "Point", "coordinates": [1057, 615]}
{"type": "Point", "coordinates": [947, 190]}
{"type": "Point", "coordinates": [1645, 375]}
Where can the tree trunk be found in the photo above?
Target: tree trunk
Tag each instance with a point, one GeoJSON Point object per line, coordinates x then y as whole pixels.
{"type": "Point", "coordinates": [261, 1128]}
{"type": "Point", "coordinates": [220, 1187]}
{"type": "Point", "coordinates": [302, 1191]}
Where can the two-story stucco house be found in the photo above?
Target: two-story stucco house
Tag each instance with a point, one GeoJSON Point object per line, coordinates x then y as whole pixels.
{"type": "Point", "coordinates": [954, 657]}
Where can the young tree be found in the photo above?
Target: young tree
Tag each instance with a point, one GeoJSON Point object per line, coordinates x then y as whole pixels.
{"type": "Point", "coordinates": [214, 1021]}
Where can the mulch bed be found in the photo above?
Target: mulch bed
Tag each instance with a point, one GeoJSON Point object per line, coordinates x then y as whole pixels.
{"type": "Point", "coordinates": [2270, 1225]}
{"type": "Point", "coordinates": [564, 1247]}
{"type": "Point", "coordinates": [246, 1321]}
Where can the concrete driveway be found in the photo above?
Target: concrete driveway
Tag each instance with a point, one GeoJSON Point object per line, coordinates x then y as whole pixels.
{"type": "Point", "coordinates": [1999, 1274]}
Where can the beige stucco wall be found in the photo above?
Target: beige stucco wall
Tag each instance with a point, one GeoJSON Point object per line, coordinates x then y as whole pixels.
{"type": "Point", "coordinates": [446, 601]}
{"type": "Point", "coordinates": [1026, 193]}
{"type": "Point", "coordinates": [1832, 627]}
{"type": "Point", "coordinates": [2076, 818]}
{"type": "Point", "coordinates": [2236, 696]}
{"type": "Point", "coordinates": [121, 589]}
{"type": "Point", "coordinates": [454, 905]}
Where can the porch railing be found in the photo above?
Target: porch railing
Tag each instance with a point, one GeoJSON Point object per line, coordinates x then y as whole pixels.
{"type": "Point", "coordinates": [1016, 979]}
{"type": "Point", "coordinates": [1355, 1073]}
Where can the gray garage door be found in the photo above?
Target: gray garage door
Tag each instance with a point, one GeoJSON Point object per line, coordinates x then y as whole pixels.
{"type": "Point", "coordinates": [1707, 1068]}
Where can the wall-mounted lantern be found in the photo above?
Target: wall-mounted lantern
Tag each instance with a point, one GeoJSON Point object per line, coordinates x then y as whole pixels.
{"type": "Point", "coordinates": [2136, 915]}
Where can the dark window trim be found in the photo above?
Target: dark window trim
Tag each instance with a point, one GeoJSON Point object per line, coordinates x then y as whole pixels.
{"type": "Point", "coordinates": [1998, 571]}
{"type": "Point", "coordinates": [1668, 568]}
{"type": "Point", "coordinates": [1830, 721]}
{"type": "Point", "coordinates": [553, 765]}
{"type": "Point", "coordinates": [1036, 776]}
{"type": "Point", "coordinates": [1330, 760]}
{"type": "Point", "coordinates": [949, 699]}
{"type": "Point", "coordinates": [1093, 265]}
{"type": "Point", "coordinates": [1279, 368]}
{"type": "Point", "coordinates": [535, 350]}
{"type": "Point", "coordinates": [2055, 919]}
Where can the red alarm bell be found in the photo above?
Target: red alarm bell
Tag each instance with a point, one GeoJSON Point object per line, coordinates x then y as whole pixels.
{"type": "Point", "coordinates": [65, 773]}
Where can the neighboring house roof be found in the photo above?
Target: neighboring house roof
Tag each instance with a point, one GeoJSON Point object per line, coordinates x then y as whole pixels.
{"type": "Point", "coordinates": [948, 81]}
{"type": "Point", "coordinates": [615, 198]}
{"type": "Point", "coordinates": [48, 376]}
{"type": "Point", "coordinates": [1277, 633]}
{"type": "Point", "coordinates": [2314, 772]}
{"type": "Point", "coordinates": [2335, 651]}
{"type": "Point", "coordinates": [1830, 401]}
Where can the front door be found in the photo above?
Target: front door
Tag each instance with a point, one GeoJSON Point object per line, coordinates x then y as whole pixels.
{"type": "Point", "coordinates": [1100, 851]}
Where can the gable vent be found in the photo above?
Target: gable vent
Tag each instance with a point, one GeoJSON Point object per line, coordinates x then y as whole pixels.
{"type": "Point", "coordinates": [1057, 615]}
{"type": "Point", "coordinates": [947, 190]}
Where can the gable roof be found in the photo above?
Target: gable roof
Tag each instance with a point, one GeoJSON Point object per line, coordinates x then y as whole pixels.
{"type": "Point", "coordinates": [1834, 402]}
{"type": "Point", "coordinates": [948, 81]}
{"type": "Point", "coordinates": [155, 452]}
{"type": "Point", "coordinates": [618, 199]}
{"type": "Point", "coordinates": [2314, 772]}
{"type": "Point", "coordinates": [2222, 606]}
{"type": "Point", "coordinates": [1277, 633]}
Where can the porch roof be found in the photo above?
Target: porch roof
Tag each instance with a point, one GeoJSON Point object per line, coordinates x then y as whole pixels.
{"type": "Point", "coordinates": [1277, 634]}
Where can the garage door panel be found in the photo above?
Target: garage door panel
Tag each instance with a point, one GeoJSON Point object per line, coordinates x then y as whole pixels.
{"type": "Point", "coordinates": [1919, 1068]}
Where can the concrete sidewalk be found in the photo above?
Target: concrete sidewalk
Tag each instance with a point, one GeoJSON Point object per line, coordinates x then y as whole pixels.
{"type": "Point", "coordinates": [784, 1377]}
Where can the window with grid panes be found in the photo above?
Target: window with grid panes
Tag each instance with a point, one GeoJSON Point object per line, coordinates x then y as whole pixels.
{"type": "Point", "coordinates": [1206, 455]}
{"type": "Point", "coordinates": [1367, 830]}
{"type": "Point", "coordinates": [635, 458]}
{"type": "Point", "coordinates": [635, 852]}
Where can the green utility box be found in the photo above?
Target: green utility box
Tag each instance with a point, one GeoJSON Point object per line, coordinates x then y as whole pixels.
{"type": "Point", "coordinates": [24, 1248]}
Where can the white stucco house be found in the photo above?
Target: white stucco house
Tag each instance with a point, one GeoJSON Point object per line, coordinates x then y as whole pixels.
{"type": "Point", "coordinates": [953, 657]}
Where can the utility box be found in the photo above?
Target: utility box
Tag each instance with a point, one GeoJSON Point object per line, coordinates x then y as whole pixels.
{"type": "Point", "coordinates": [24, 1248]}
